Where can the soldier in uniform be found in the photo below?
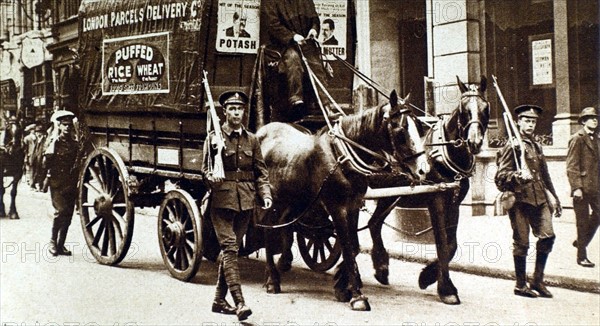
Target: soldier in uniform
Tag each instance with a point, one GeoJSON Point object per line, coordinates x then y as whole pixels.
{"type": "Point", "coordinates": [583, 166]}
{"type": "Point", "coordinates": [59, 159]}
{"type": "Point", "coordinates": [233, 198]}
{"type": "Point", "coordinates": [531, 208]}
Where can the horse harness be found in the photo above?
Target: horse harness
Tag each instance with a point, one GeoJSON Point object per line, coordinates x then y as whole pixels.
{"type": "Point", "coordinates": [437, 134]}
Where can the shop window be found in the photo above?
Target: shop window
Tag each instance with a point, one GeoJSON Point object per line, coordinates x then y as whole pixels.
{"type": "Point", "coordinates": [519, 52]}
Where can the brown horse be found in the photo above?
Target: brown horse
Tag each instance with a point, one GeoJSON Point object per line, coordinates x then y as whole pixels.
{"type": "Point", "coordinates": [310, 173]}
{"type": "Point", "coordinates": [452, 145]}
{"type": "Point", "coordinates": [12, 158]}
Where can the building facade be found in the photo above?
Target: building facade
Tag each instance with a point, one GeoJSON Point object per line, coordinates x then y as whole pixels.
{"type": "Point", "coordinates": [543, 52]}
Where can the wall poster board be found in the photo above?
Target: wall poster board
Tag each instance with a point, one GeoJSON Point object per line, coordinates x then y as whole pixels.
{"type": "Point", "coordinates": [542, 60]}
{"type": "Point", "coordinates": [334, 24]}
{"type": "Point", "coordinates": [238, 26]}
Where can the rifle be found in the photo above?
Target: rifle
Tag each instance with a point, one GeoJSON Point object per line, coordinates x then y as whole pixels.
{"type": "Point", "coordinates": [217, 141]}
{"type": "Point", "coordinates": [514, 135]}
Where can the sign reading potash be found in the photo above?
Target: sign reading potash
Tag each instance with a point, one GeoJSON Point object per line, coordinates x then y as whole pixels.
{"type": "Point", "coordinates": [136, 65]}
{"type": "Point", "coordinates": [238, 27]}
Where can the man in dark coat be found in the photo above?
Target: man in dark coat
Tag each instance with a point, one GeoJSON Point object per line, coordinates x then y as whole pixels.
{"type": "Point", "coordinates": [60, 160]}
{"type": "Point", "coordinates": [531, 208]}
{"type": "Point", "coordinates": [583, 162]}
{"type": "Point", "coordinates": [234, 197]}
{"type": "Point", "coordinates": [290, 23]}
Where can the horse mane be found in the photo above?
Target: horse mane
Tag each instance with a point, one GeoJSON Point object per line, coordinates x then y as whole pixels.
{"type": "Point", "coordinates": [358, 125]}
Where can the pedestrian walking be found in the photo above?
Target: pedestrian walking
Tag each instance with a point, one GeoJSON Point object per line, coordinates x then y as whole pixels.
{"type": "Point", "coordinates": [39, 174]}
{"type": "Point", "coordinates": [583, 166]}
{"type": "Point", "coordinates": [29, 144]}
{"type": "Point", "coordinates": [531, 208]}
{"type": "Point", "coordinates": [60, 160]}
{"type": "Point", "coordinates": [233, 198]}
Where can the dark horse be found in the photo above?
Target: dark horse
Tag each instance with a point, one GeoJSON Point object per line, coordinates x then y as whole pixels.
{"type": "Point", "coordinates": [12, 156]}
{"type": "Point", "coordinates": [451, 148]}
{"type": "Point", "coordinates": [310, 171]}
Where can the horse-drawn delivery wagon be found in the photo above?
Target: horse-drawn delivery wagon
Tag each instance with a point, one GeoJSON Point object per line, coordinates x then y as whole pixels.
{"type": "Point", "coordinates": [144, 121]}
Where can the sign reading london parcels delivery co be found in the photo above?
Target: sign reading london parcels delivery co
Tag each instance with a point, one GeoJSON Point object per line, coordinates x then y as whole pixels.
{"type": "Point", "coordinates": [136, 64]}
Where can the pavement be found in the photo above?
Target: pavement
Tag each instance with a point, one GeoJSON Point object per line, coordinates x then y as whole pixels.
{"type": "Point", "coordinates": [485, 248]}
{"type": "Point", "coordinates": [484, 245]}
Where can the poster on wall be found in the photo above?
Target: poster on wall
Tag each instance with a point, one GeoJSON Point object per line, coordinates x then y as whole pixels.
{"type": "Point", "coordinates": [334, 22]}
{"type": "Point", "coordinates": [136, 64]}
{"type": "Point", "coordinates": [238, 26]}
{"type": "Point", "coordinates": [541, 62]}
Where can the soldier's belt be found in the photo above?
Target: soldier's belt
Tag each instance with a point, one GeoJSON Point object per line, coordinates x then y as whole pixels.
{"type": "Point", "coordinates": [239, 175]}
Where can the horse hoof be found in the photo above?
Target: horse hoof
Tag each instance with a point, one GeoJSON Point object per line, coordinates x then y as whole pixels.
{"type": "Point", "coordinates": [14, 216]}
{"type": "Point", "coordinates": [273, 288]}
{"type": "Point", "coordinates": [343, 295]}
{"type": "Point", "coordinates": [2, 214]}
{"type": "Point", "coordinates": [360, 303]}
{"type": "Point", "coordinates": [426, 278]}
{"type": "Point", "coordinates": [382, 276]}
{"type": "Point", "coordinates": [450, 299]}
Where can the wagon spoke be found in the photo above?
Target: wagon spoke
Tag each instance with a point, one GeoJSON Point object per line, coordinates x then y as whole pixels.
{"type": "Point", "coordinates": [91, 187]}
{"type": "Point", "coordinates": [97, 177]}
{"type": "Point", "coordinates": [322, 253]}
{"type": "Point", "coordinates": [92, 222]}
{"type": "Point", "coordinates": [118, 221]}
{"type": "Point", "coordinates": [328, 245]}
{"type": "Point", "coordinates": [315, 254]}
{"type": "Point", "coordinates": [118, 217]}
{"type": "Point", "coordinates": [104, 248]}
{"type": "Point", "coordinates": [112, 239]}
{"type": "Point", "coordinates": [170, 214]}
{"type": "Point", "coordinates": [99, 233]}
{"type": "Point", "coordinates": [87, 205]}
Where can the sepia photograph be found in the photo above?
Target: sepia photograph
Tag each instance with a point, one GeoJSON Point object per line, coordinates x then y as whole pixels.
{"type": "Point", "coordinates": [299, 162]}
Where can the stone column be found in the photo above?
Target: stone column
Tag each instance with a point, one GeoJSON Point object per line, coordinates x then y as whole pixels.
{"type": "Point", "coordinates": [456, 48]}
{"type": "Point", "coordinates": [564, 121]}
{"type": "Point", "coordinates": [363, 96]}
{"type": "Point", "coordinates": [456, 52]}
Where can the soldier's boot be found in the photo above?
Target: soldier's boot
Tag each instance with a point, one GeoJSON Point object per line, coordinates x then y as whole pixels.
{"type": "Point", "coordinates": [220, 305]}
{"type": "Point", "coordinates": [53, 247]}
{"type": "Point", "coordinates": [232, 277]}
{"type": "Point", "coordinates": [242, 310]}
{"type": "Point", "coordinates": [538, 276]}
{"type": "Point", "coordinates": [521, 287]}
{"type": "Point", "coordinates": [60, 245]}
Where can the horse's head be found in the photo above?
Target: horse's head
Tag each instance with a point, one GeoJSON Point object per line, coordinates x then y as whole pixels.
{"type": "Point", "coordinates": [13, 137]}
{"type": "Point", "coordinates": [474, 114]}
{"type": "Point", "coordinates": [405, 132]}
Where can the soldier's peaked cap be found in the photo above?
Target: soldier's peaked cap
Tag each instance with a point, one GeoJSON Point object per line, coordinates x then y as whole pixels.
{"type": "Point", "coordinates": [62, 115]}
{"type": "Point", "coordinates": [233, 97]}
{"type": "Point", "coordinates": [528, 110]}
{"type": "Point", "coordinates": [588, 112]}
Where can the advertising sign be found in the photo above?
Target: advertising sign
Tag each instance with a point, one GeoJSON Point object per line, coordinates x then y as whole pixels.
{"type": "Point", "coordinates": [136, 64]}
{"type": "Point", "coordinates": [334, 22]}
{"type": "Point", "coordinates": [541, 62]}
{"type": "Point", "coordinates": [238, 26]}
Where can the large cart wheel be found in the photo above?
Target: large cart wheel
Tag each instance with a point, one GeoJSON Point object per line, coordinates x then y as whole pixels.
{"type": "Point", "coordinates": [319, 252]}
{"type": "Point", "coordinates": [106, 211]}
{"type": "Point", "coordinates": [180, 234]}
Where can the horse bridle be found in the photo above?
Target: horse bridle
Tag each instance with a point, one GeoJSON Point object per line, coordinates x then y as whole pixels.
{"type": "Point", "coordinates": [471, 94]}
{"type": "Point", "coordinates": [404, 113]}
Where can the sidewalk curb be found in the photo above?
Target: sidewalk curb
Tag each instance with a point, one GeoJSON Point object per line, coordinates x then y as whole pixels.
{"type": "Point", "coordinates": [571, 283]}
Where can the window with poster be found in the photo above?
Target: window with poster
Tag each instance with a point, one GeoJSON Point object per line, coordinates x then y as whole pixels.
{"type": "Point", "coordinates": [542, 61]}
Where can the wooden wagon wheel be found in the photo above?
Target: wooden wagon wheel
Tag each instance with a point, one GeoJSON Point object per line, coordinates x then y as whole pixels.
{"type": "Point", "coordinates": [319, 252]}
{"type": "Point", "coordinates": [106, 211]}
{"type": "Point", "coordinates": [180, 234]}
